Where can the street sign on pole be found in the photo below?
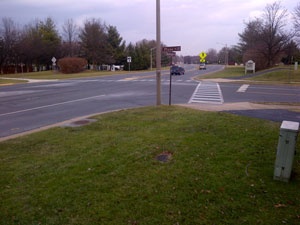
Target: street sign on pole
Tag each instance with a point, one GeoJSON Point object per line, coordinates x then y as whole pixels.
{"type": "Point", "coordinates": [53, 63]}
{"type": "Point", "coordinates": [129, 61]}
{"type": "Point", "coordinates": [171, 53]}
{"type": "Point", "coordinates": [202, 56]}
{"type": "Point", "coordinates": [171, 49]}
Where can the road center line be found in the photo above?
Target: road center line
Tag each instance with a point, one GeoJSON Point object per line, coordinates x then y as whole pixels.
{"type": "Point", "coordinates": [47, 106]}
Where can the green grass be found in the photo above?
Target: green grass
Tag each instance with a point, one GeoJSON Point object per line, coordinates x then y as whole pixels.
{"type": "Point", "coordinates": [106, 173]}
{"type": "Point", "coordinates": [54, 75]}
{"type": "Point", "coordinates": [228, 72]}
{"type": "Point", "coordinates": [8, 82]}
{"type": "Point", "coordinates": [57, 75]}
{"type": "Point", "coordinates": [286, 76]}
{"type": "Point", "coordinates": [281, 76]}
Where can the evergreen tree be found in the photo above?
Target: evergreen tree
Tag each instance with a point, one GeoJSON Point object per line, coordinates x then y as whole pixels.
{"type": "Point", "coordinates": [117, 45]}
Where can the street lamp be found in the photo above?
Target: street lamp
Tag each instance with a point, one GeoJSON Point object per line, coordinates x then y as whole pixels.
{"type": "Point", "coordinates": [226, 54]}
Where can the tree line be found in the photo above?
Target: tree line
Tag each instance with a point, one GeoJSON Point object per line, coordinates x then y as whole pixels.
{"type": "Point", "coordinates": [264, 40]}
{"type": "Point", "coordinates": [36, 43]}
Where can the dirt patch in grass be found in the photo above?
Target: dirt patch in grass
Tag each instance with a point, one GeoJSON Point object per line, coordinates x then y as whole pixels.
{"type": "Point", "coordinates": [164, 157]}
{"type": "Point", "coordinates": [79, 123]}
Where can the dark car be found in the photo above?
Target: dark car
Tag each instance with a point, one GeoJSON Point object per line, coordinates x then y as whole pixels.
{"type": "Point", "coordinates": [177, 70]}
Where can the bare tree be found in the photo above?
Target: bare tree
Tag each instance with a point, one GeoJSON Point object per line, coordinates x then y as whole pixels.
{"type": "Point", "coordinates": [8, 42]}
{"type": "Point", "coordinates": [212, 56]}
{"type": "Point", "coordinates": [265, 40]}
{"type": "Point", "coordinates": [274, 35]}
{"type": "Point", "coordinates": [70, 37]}
{"type": "Point", "coordinates": [297, 21]}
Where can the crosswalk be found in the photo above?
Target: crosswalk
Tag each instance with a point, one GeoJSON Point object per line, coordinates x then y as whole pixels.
{"type": "Point", "coordinates": [207, 92]}
{"type": "Point", "coordinates": [153, 80]}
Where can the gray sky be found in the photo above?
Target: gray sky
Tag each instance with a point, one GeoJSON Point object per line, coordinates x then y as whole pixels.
{"type": "Point", "coordinates": [195, 25]}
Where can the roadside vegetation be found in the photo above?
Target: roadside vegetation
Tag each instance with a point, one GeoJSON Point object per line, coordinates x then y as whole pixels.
{"type": "Point", "coordinates": [53, 75]}
{"type": "Point", "coordinates": [10, 82]}
{"type": "Point", "coordinates": [219, 170]}
{"type": "Point", "coordinates": [288, 76]}
{"type": "Point", "coordinates": [31, 47]}
{"type": "Point", "coordinates": [275, 75]}
{"type": "Point", "coordinates": [56, 75]}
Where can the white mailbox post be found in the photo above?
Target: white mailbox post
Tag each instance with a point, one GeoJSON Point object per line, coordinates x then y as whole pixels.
{"type": "Point", "coordinates": [286, 150]}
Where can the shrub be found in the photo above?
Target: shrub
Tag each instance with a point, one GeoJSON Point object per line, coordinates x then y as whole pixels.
{"type": "Point", "coordinates": [72, 64]}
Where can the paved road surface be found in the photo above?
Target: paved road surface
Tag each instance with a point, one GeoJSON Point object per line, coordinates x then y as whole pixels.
{"type": "Point", "coordinates": [26, 107]}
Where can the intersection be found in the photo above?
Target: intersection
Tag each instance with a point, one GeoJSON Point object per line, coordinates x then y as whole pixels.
{"type": "Point", "coordinates": [30, 106]}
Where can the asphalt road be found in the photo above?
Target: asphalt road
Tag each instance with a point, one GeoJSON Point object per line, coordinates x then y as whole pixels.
{"type": "Point", "coordinates": [25, 107]}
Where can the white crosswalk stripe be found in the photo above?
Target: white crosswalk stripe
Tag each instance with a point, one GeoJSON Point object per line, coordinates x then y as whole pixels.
{"type": "Point", "coordinates": [152, 80]}
{"type": "Point", "coordinates": [207, 92]}
{"type": "Point", "coordinates": [243, 88]}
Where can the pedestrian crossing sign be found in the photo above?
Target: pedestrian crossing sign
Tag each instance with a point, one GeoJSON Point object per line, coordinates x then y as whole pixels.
{"type": "Point", "coordinates": [202, 56]}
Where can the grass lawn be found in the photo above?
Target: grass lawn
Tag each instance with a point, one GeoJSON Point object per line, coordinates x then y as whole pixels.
{"type": "Point", "coordinates": [282, 76]}
{"type": "Point", "coordinates": [220, 172]}
{"type": "Point", "coordinates": [50, 75]}
{"type": "Point", "coordinates": [57, 75]}
{"type": "Point", "coordinates": [287, 76]}
{"type": "Point", "coordinates": [8, 82]}
{"type": "Point", "coordinates": [228, 72]}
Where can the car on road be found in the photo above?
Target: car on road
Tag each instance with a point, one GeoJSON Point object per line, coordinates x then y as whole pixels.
{"type": "Point", "coordinates": [202, 66]}
{"type": "Point", "coordinates": [177, 70]}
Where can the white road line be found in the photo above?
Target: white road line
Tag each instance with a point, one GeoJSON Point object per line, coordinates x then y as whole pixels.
{"type": "Point", "coordinates": [13, 93]}
{"type": "Point", "coordinates": [47, 106]}
{"type": "Point", "coordinates": [243, 88]}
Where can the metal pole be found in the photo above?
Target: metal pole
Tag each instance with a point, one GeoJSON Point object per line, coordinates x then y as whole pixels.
{"type": "Point", "coordinates": [158, 55]}
{"type": "Point", "coordinates": [151, 59]}
{"type": "Point", "coordinates": [170, 90]}
{"type": "Point", "coordinates": [226, 55]}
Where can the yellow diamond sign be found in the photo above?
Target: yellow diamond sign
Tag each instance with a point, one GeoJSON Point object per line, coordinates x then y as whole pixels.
{"type": "Point", "coordinates": [202, 56]}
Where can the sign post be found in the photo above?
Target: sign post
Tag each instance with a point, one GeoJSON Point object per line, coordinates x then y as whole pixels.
{"type": "Point", "coordinates": [53, 63]}
{"type": "Point", "coordinates": [171, 51]}
{"type": "Point", "coordinates": [129, 61]}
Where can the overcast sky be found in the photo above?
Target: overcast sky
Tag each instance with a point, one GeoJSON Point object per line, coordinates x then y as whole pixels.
{"type": "Point", "coordinates": [195, 25]}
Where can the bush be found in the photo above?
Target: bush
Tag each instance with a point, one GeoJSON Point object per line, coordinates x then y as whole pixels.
{"type": "Point", "coordinates": [72, 64]}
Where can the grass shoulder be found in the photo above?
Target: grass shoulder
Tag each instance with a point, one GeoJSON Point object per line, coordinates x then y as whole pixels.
{"type": "Point", "coordinates": [276, 75]}
{"type": "Point", "coordinates": [220, 171]}
{"type": "Point", "coordinates": [56, 75]}
{"type": "Point", "coordinates": [48, 75]}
